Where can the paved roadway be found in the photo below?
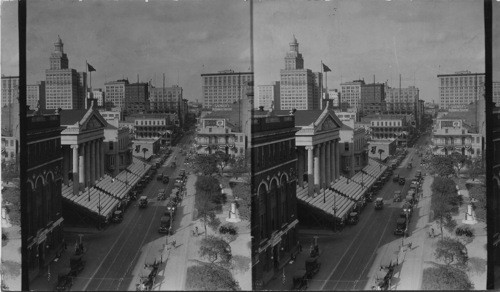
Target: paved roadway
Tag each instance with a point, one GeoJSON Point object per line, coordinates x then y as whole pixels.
{"type": "Point", "coordinates": [128, 240]}
{"type": "Point", "coordinates": [370, 242]}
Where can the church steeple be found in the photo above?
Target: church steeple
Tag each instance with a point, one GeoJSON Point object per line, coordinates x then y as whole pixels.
{"type": "Point", "coordinates": [58, 59]}
{"type": "Point", "coordinates": [293, 59]}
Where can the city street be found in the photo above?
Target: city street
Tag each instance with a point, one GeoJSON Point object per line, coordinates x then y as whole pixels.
{"type": "Point", "coordinates": [114, 255]}
{"type": "Point", "coordinates": [351, 258]}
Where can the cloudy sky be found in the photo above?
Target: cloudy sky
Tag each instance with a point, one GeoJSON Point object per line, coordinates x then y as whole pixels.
{"type": "Point", "coordinates": [125, 38]}
{"type": "Point", "coordinates": [10, 39]}
{"type": "Point", "coordinates": [418, 39]}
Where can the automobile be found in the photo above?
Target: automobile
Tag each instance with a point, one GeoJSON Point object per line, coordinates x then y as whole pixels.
{"type": "Point", "coordinates": [395, 178]}
{"type": "Point", "coordinates": [402, 181]}
{"type": "Point", "coordinates": [76, 263]}
{"type": "Point", "coordinates": [401, 226]}
{"type": "Point", "coordinates": [143, 202]}
{"type": "Point", "coordinates": [182, 172]}
{"type": "Point", "coordinates": [165, 180]}
{"type": "Point", "coordinates": [164, 224]}
{"type": "Point", "coordinates": [117, 216]}
{"type": "Point", "coordinates": [159, 176]}
{"type": "Point", "coordinates": [369, 196]}
{"type": "Point", "coordinates": [397, 196]}
{"type": "Point", "coordinates": [379, 203]}
{"type": "Point", "coordinates": [353, 218]}
{"type": "Point", "coordinates": [64, 283]}
{"type": "Point", "coordinates": [161, 194]}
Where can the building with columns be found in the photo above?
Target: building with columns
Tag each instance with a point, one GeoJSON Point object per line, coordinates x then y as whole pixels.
{"type": "Point", "coordinates": [44, 228]}
{"type": "Point", "coordinates": [82, 143]}
{"type": "Point", "coordinates": [318, 152]}
{"type": "Point", "coordinates": [273, 181]}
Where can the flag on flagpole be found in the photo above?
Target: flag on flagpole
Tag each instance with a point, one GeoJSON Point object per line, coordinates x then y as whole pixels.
{"type": "Point", "coordinates": [90, 68]}
{"type": "Point", "coordinates": [325, 68]}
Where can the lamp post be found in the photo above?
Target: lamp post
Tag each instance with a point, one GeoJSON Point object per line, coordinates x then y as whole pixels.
{"type": "Point", "coordinates": [171, 209]}
{"type": "Point", "coordinates": [406, 210]}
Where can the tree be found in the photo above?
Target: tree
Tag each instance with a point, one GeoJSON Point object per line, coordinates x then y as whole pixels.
{"type": "Point", "coordinates": [207, 199]}
{"type": "Point", "coordinates": [450, 251]}
{"type": "Point", "coordinates": [444, 201]}
{"type": "Point", "coordinates": [240, 167]}
{"type": "Point", "coordinates": [210, 277]}
{"type": "Point", "coordinates": [213, 222]}
{"type": "Point", "coordinates": [478, 193]}
{"type": "Point", "coordinates": [459, 161]}
{"type": "Point", "coordinates": [144, 150]}
{"type": "Point", "coordinates": [441, 165]}
{"type": "Point", "coordinates": [476, 168]}
{"type": "Point", "coordinates": [214, 248]}
{"type": "Point", "coordinates": [223, 160]}
{"type": "Point", "coordinates": [242, 191]}
{"type": "Point", "coordinates": [206, 164]}
{"type": "Point", "coordinates": [445, 278]}
{"type": "Point", "coordinates": [380, 151]}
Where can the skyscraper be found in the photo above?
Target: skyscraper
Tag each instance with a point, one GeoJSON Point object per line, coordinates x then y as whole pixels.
{"type": "Point", "coordinates": [267, 95]}
{"type": "Point", "coordinates": [35, 94]}
{"type": "Point", "coordinates": [115, 93]}
{"type": "Point", "coordinates": [224, 87]}
{"type": "Point", "coordinates": [351, 93]}
{"type": "Point", "coordinates": [10, 89]}
{"type": "Point", "coordinates": [457, 91]}
{"type": "Point", "coordinates": [63, 86]}
{"type": "Point", "coordinates": [136, 98]}
{"type": "Point", "coordinates": [299, 88]}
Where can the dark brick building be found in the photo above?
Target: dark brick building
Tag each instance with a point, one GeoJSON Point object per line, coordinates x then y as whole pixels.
{"type": "Point", "coordinates": [274, 211]}
{"type": "Point", "coordinates": [136, 98]}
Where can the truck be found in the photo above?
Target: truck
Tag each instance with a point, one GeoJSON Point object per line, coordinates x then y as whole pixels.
{"type": "Point", "coordinates": [164, 224]}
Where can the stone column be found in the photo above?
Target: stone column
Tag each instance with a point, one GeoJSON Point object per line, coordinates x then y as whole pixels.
{"type": "Point", "coordinates": [337, 157]}
{"type": "Point", "coordinates": [332, 159]}
{"type": "Point", "coordinates": [76, 178]}
{"type": "Point", "coordinates": [322, 159]}
{"type": "Point", "coordinates": [66, 159]}
{"type": "Point", "coordinates": [328, 164]}
{"type": "Point", "coordinates": [81, 165]}
{"type": "Point", "coordinates": [97, 159]}
{"type": "Point", "coordinates": [300, 166]}
{"type": "Point", "coordinates": [310, 175]}
{"type": "Point", "coordinates": [316, 165]}
{"type": "Point", "coordinates": [101, 163]}
{"type": "Point", "coordinates": [87, 164]}
{"type": "Point", "coordinates": [91, 163]}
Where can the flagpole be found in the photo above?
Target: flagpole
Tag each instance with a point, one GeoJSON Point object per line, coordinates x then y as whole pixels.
{"type": "Point", "coordinates": [321, 97]}
{"type": "Point", "coordinates": [86, 89]}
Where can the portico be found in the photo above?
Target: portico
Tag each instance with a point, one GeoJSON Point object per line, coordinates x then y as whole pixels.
{"type": "Point", "coordinates": [83, 148]}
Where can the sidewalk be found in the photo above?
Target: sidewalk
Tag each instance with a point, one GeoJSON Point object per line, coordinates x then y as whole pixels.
{"type": "Point", "coordinates": [173, 276]}
{"type": "Point", "coordinates": [410, 275]}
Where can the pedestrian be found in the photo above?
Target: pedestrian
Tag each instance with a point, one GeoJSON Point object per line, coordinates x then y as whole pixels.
{"type": "Point", "coordinates": [432, 232]}
{"type": "Point", "coordinates": [174, 243]}
{"type": "Point", "coordinates": [409, 245]}
{"type": "Point", "coordinates": [196, 228]}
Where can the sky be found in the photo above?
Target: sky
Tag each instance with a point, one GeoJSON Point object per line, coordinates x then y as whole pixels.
{"type": "Point", "coordinates": [10, 38]}
{"type": "Point", "coordinates": [123, 39]}
{"type": "Point", "coordinates": [360, 39]}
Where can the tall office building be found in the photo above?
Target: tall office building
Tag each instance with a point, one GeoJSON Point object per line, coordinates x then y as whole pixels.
{"type": "Point", "coordinates": [372, 98]}
{"type": "Point", "coordinates": [457, 91]}
{"type": "Point", "coordinates": [136, 98]}
{"type": "Point", "coordinates": [268, 95]}
{"type": "Point", "coordinates": [401, 100]}
{"type": "Point", "coordinates": [496, 93]}
{"type": "Point", "coordinates": [224, 87]}
{"type": "Point", "coordinates": [115, 93]}
{"type": "Point", "coordinates": [10, 89]}
{"type": "Point", "coordinates": [35, 95]}
{"type": "Point", "coordinates": [64, 87]}
{"type": "Point", "coordinates": [299, 88]}
{"type": "Point", "coordinates": [351, 93]}
{"type": "Point", "coordinates": [166, 99]}
{"type": "Point", "coordinates": [99, 96]}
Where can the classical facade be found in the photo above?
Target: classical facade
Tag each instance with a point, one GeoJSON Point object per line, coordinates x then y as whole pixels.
{"type": "Point", "coordinates": [455, 135]}
{"type": "Point", "coordinates": [82, 147]}
{"type": "Point", "coordinates": [299, 88]}
{"type": "Point", "coordinates": [274, 211]}
{"type": "Point", "coordinates": [460, 89]}
{"type": "Point", "coordinates": [44, 226]}
{"type": "Point", "coordinates": [224, 87]}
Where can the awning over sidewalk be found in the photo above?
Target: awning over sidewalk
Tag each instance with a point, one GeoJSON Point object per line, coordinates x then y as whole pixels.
{"type": "Point", "coordinates": [88, 200]}
{"type": "Point", "coordinates": [326, 200]}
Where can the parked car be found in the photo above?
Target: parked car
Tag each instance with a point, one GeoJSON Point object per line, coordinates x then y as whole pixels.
{"type": "Point", "coordinates": [143, 202]}
{"type": "Point", "coordinates": [402, 181]}
{"type": "Point", "coordinates": [379, 203]}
